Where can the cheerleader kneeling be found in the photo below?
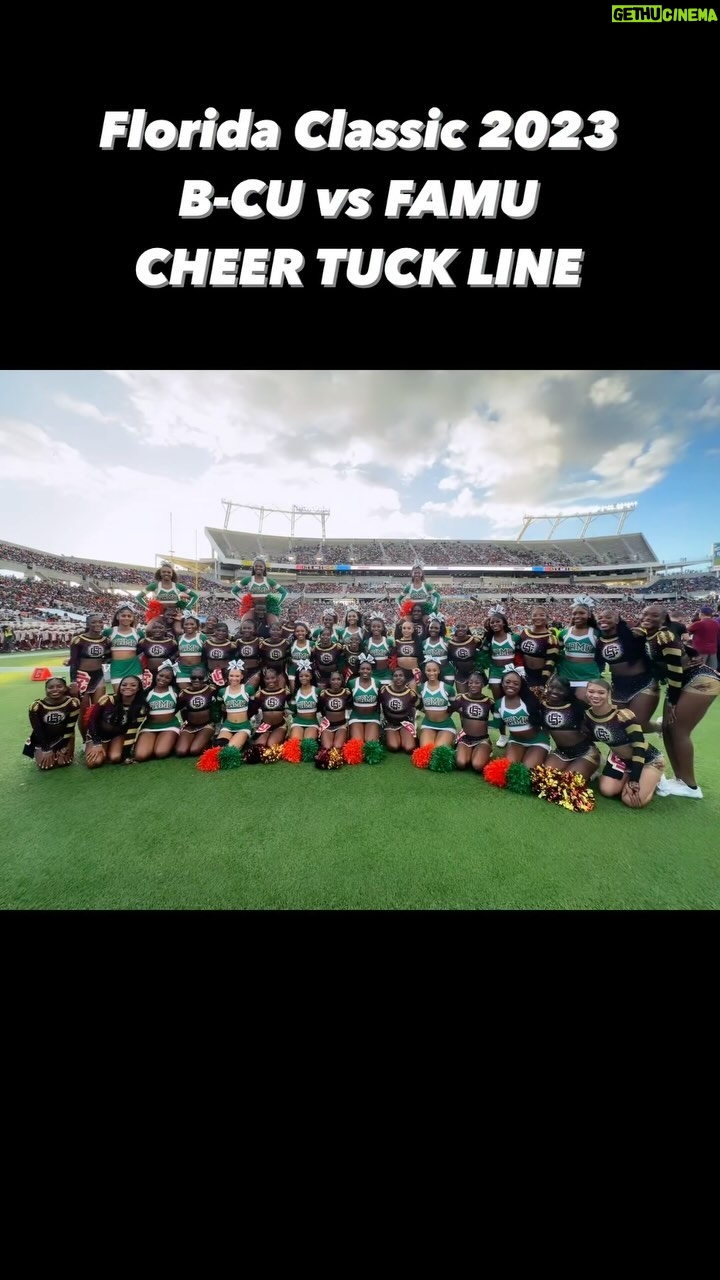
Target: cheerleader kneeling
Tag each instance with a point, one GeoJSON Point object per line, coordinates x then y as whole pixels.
{"type": "Point", "coordinates": [114, 724]}
{"type": "Point", "coordinates": [235, 729]}
{"type": "Point", "coordinates": [474, 747]}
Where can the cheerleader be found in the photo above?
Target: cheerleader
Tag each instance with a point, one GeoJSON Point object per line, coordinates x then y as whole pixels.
{"type": "Point", "coordinates": [577, 647]}
{"type": "Point", "coordinates": [417, 617]}
{"type": "Point", "coordinates": [437, 726]}
{"type": "Point", "coordinates": [364, 721]}
{"type": "Point", "coordinates": [52, 726]}
{"type": "Point", "coordinates": [158, 736]}
{"type": "Point", "coordinates": [258, 585]}
{"type": "Point", "coordinates": [217, 651]}
{"type": "Point", "coordinates": [172, 619]}
{"type": "Point", "coordinates": [165, 589]}
{"type": "Point", "coordinates": [499, 645]}
{"type": "Point", "coordinates": [271, 702]}
{"type": "Point", "coordinates": [328, 655]}
{"type": "Point", "coordinates": [634, 769]}
{"type": "Point", "coordinates": [418, 591]}
{"type": "Point", "coordinates": [124, 637]}
{"type": "Point", "coordinates": [274, 651]}
{"type": "Point", "coordinates": [300, 650]}
{"type": "Point", "coordinates": [114, 724]}
{"type": "Point", "coordinates": [462, 652]}
{"type": "Point", "coordinates": [537, 649]}
{"type": "Point", "coordinates": [305, 703]}
{"type": "Point", "coordinates": [236, 728]}
{"type": "Point", "coordinates": [155, 648]}
{"type": "Point", "coordinates": [190, 647]}
{"type": "Point", "coordinates": [248, 652]}
{"type": "Point", "coordinates": [211, 622]}
{"type": "Point", "coordinates": [435, 649]}
{"type": "Point", "coordinates": [623, 651]}
{"type": "Point", "coordinates": [408, 651]}
{"type": "Point", "coordinates": [329, 619]}
{"type": "Point", "coordinates": [334, 705]}
{"type": "Point", "coordinates": [475, 709]}
{"type": "Point", "coordinates": [352, 658]}
{"type": "Point", "coordinates": [379, 647]}
{"type": "Point", "coordinates": [663, 649]}
{"type": "Point", "coordinates": [352, 626]}
{"type": "Point", "coordinates": [289, 622]}
{"type": "Point", "coordinates": [682, 714]}
{"type": "Point", "coordinates": [563, 718]}
{"type": "Point", "coordinates": [88, 652]}
{"type": "Point", "coordinates": [196, 704]}
{"type": "Point", "coordinates": [399, 702]}
{"type": "Point", "coordinates": [521, 719]}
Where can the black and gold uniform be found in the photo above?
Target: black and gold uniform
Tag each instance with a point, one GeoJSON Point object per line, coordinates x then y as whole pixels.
{"type": "Point", "coordinates": [629, 750]}
{"type": "Point", "coordinates": [326, 659]}
{"type": "Point", "coordinates": [565, 722]}
{"type": "Point", "coordinates": [626, 649]}
{"type": "Point", "coordinates": [216, 656]}
{"type": "Point", "coordinates": [474, 715]}
{"type": "Point", "coordinates": [539, 649]}
{"type": "Point", "coordinates": [335, 707]}
{"type": "Point", "coordinates": [52, 725]}
{"type": "Point", "coordinates": [274, 654]}
{"type": "Point", "coordinates": [461, 654]}
{"type": "Point", "coordinates": [110, 719]}
{"type": "Point", "coordinates": [155, 652]}
{"type": "Point", "coordinates": [352, 664]}
{"type": "Point", "coordinates": [88, 653]}
{"type": "Point", "coordinates": [664, 652]}
{"type": "Point", "coordinates": [196, 706]}
{"type": "Point", "coordinates": [248, 652]}
{"type": "Point", "coordinates": [398, 706]}
{"type": "Point", "coordinates": [271, 703]}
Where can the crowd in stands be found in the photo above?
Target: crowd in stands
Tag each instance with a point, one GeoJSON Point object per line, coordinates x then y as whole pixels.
{"type": "Point", "coordinates": [436, 553]}
{"type": "Point", "coordinates": [684, 583]}
{"type": "Point", "coordinates": [84, 569]}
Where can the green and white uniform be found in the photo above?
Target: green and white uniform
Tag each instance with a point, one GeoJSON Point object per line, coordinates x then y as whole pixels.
{"type": "Point", "coordinates": [298, 652]}
{"type": "Point", "coordinates": [129, 663]}
{"type": "Point", "coordinates": [266, 587]}
{"type": "Point", "coordinates": [502, 655]}
{"type": "Point", "coordinates": [437, 700]}
{"type": "Point", "coordinates": [580, 646]}
{"type": "Point", "coordinates": [190, 654]}
{"type": "Point", "coordinates": [425, 594]}
{"type": "Point", "coordinates": [169, 595]}
{"type": "Point", "coordinates": [365, 702]}
{"type": "Point", "coordinates": [239, 701]}
{"type": "Point", "coordinates": [379, 650]}
{"type": "Point", "coordinates": [437, 651]}
{"type": "Point", "coordinates": [516, 721]}
{"type": "Point", "coordinates": [305, 709]}
{"type": "Point", "coordinates": [346, 634]}
{"type": "Point", "coordinates": [336, 632]}
{"type": "Point", "coordinates": [158, 705]}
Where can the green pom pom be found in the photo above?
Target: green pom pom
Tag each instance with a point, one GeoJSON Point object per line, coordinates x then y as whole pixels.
{"type": "Point", "coordinates": [230, 758]}
{"type": "Point", "coordinates": [373, 752]}
{"type": "Point", "coordinates": [519, 780]}
{"type": "Point", "coordinates": [308, 749]}
{"type": "Point", "coordinates": [273, 604]}
{"type": "Point", "coordinates": [442, 760]}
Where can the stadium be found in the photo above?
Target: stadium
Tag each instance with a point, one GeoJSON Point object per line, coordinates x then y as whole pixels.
{"type": "Point", "coordinates": [391, 836]}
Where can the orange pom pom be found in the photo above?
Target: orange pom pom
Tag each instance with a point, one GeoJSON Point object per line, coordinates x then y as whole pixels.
{"type": "Point", "coordinates": [353, 751]}
{"type": "Point", "coordinates": [495, 772]}
{"type": "Point", "coordinates": [292, 751]}
{"type": "Point", "coordinates": [209, 762]}
{"type": "Point", "coordinates": [421, 756]}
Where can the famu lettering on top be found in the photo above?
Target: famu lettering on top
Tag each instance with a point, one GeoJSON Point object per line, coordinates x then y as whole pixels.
{"type": "Point", "coordinates": [656, 13]}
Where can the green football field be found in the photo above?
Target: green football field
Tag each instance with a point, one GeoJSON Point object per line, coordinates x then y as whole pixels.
{"type": "Point", "coordinates": [163, 836]}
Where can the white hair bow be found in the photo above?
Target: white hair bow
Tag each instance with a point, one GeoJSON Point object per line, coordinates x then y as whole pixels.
{"type": "Point", "coordinates": [188, 613]}
{"type": "Point", "coordinates": [237, 664]}
{"type": "Point", "coordinates": [304, 665]}
{"type": "Point", "coordinates": [586, 602]}
{"type": "Point", "coordinates": [367, 657]}
{"type": "Point", "coordinates": [167, 665]}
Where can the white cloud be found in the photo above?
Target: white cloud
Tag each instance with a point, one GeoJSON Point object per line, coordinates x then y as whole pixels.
{"type": "Point", "coordinates": [609, 391]}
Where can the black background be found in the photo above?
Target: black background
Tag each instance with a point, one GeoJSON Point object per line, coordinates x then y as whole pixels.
{"type": "Point", "coordinates": [642, 212]}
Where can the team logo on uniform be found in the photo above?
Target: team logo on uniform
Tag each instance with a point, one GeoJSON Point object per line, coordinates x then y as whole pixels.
{"type": "Point", "coordinates": [395, 704]}
{"type": "Point", "coordinates": [197, 703]}
{"type": "Point", "coordinates": [554, 719]}
{"type": "Point", "coordinates": [246, 651]}
{"type": "Point", "coordinates": [216, 653]}
{"type": "Point", "coordinates": [156, 650]}
{"type": "Point", "coordinates": [474, 711]}
{"type": "Point", "coordinates": [335, 704]}
{"type": "Point", "coordinates": [602, 734]}
{"type": "Point", "coordinates": [462, 654]}
{"type": "Point", "coordinates": [611, 652]}
{"type": "Point", "coordinates": [54, 717]}
{"type": "Point", "coordinates": [326, 657]}
{"type": "Point", "coordinates": [95, 651]}
{"type": "Point", "coordinates": [275, 654]}
{"type": "Point", "coordinates": [272, 704]}
{"type": "Point", "coordinates": [528, 646]}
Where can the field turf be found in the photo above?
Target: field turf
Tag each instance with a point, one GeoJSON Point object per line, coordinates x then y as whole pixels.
{"type": "Point", "coordinates": [163, 836]}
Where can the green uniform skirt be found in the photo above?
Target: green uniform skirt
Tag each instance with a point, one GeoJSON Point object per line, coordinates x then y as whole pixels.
{"type": "Point", "coordinates": [298, 722]}
{"type": "Point", "coordinates": [173, 726]}
{"type": "Point", "coordinates": [245, 727]}
{"type": "Point", "coordinates": [441, 726]}
{"type": "Point", "coordinates": [576, 672]}
{"type": "Point", "coordinates": [539, 739]}
{"type": "Point", "coordinates": [125, 667]}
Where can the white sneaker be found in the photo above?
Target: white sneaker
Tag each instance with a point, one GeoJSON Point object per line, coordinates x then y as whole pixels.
{"type": "Point", "coordinates": [502, 741]}
{"type": "Point", "coordinates": [663, 787]}
{"type": "Point", "coordinates": [678, 788]}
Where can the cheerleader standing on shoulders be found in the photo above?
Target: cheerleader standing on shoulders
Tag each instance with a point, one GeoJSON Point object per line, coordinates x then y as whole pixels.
{"type": "Point", "coordinates": [623, 651]}
{"type": "Point", "coordinates": [563, 717]}
{"type": "Point", "coordinates": [158, 736]}
{"type": "Point", "coordinates": [334, 705]}
{"type": "Point", "coordinates": [258, 584]}
{"type": "Point", "coordinates": [537, 649]}
{"type": "Point", "coordinates": [305, 703]}
{"type": "Point", "coordinates": [165, 589]}
{"type": "Point", "coordinates": [114, 724]}
{"type": "Point", "coordinates": [300, 650]}
{"type": "Point", "coordinates": [577, 644]}
{"type": "Point", "coordinates": [399, 703]}
{"type": "Point", "coordinates": [88, 652]}
{"type": "Point", "coordinates": [474, 747]}
{"type": "Point", "coordinates": [124, 637]}
{"type": "Point", "coordinates": [190, 648]}
{"type": "Point", "coordinates": [437, 726]}
{"type": "Point", "coordinates": [195, 704]}
{"type": "Point", "coordinates": [683, 713]}
{"type": "Point", "coordinates": [379, 647]}
{"type": "Point", "coordinates": [408, 651]}
{"type": "Point", "coordinates": [634, 769]}
{"type": "Point", "coordinates": [52, 726]}
{"type": "Point", "coordinates": [236, 728]}
{"type": "Point", "coordinates": [462, 650]}
{"type": "Point", "coordinates": [271, 701]}
{"type": "Point", "coordinates": [521, 719]}
{"type": "Point", "coordinates": [217, 651]}
{"type": "Point", "coordinates": [328, 656]}
{"type": "Point", "coordinates": [418, 591]}
{"type": "Point", "coordinates": [364, 721]}
{"type": "Point", "coordinates": [155, 648]}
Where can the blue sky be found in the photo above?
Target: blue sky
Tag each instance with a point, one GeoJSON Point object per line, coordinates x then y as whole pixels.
{"type": "Point", "coordinates": [92, 463]}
